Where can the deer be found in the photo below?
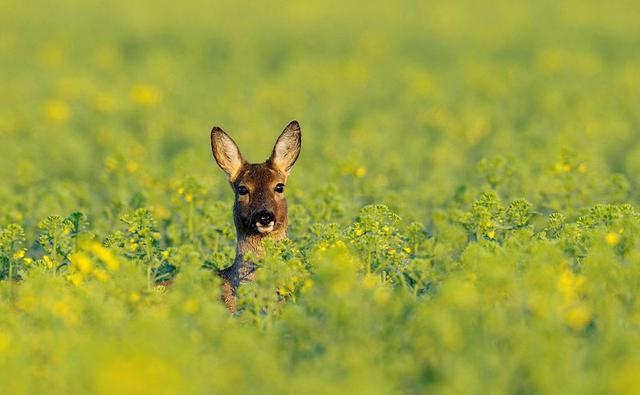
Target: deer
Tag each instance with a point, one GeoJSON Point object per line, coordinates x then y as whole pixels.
{"type": "Point", "coordinates": [260, 207]}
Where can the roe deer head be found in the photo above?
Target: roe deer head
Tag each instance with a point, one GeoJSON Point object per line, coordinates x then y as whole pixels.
{"type": "Point", "coordinates": [260, 206]}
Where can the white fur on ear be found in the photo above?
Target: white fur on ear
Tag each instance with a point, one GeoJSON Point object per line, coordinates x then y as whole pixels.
{"type": "Point", "coordinates": [287, 148]}
{"type": "Point", "coordinates": [226, 153]}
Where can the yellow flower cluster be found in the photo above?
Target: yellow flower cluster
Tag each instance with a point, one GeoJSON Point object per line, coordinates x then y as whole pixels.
{"type": "Point", "coordinates": [613, 238]}
{"type": "Point", "coordinates": [49, 264]}
{"type": "Point", "coordinates": [357, 171]}
{"type": "Point", "coordinates": [57, 111]}
{"type": "Point", "coordinates": [576, 314]}
{"type": "Point", "coordinates": [564, 167]}
{"type": "Point", "coordinates": [113, 164]}
{"type": "Point", "coordinates": [188, 197]}
{"type": "Point", "coordinates": [96, 261]}
{"type": "Point", "coordinates": [146, 95]}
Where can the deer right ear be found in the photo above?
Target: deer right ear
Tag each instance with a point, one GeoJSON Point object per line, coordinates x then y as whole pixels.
{"type": "Point", "coordinates": [287, 148]}
{"type": "Point", "coordinates": [226, 153]}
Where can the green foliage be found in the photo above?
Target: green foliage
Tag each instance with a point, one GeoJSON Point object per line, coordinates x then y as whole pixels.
{"type": "Point", "coordinates": [11, 252]}
{"type": "Point", "coordinates": [463, 216]}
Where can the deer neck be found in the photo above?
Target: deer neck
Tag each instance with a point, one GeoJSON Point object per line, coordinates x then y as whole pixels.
{"type": "Point", "coordinates": [250, 247]}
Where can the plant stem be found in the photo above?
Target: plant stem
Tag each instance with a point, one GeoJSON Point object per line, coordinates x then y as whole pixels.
{"type": "Point", "coordinates": [54, 253]}
{"type": "Point", "coordinates": [10, 263]}
{"type": "Point", "coordinates": [190, 221]}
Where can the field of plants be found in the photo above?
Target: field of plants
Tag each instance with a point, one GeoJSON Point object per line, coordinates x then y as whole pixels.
{"type": "Point", "coordinates": [464, 216]}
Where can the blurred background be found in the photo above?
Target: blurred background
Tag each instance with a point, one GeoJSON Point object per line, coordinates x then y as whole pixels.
{"type": "Point", "coordinates": [399, 102]}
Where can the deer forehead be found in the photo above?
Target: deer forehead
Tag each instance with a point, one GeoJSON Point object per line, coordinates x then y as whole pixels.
{"type": "Point", "coordinates": [260, 175]}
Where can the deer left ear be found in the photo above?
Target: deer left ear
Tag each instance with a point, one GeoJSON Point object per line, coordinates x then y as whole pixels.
{"type": "Point", "coordinates": [226, 153]}
{"type": "Point", "coordinates": [287, 148]}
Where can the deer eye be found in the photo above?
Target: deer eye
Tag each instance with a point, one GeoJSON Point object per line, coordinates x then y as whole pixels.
{"type": "Point", "coordinates": [242, 190]}
{"type": "Point", "coordinates": [280, 188]}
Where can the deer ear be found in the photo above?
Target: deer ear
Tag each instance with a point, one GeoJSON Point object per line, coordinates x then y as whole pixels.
{"type": "Point", "coordinates": [226, 153]}
{"type": "Point", "coordinates": [287, 148]}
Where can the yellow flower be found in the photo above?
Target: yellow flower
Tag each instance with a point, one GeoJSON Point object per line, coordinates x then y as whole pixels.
{"type": "Point", "coordinates": [145, 95]}
{"type": "Point", "coordinates": [340, 286]}
{"type": "Point", "coordinates": [491, 234]}
{"type": "Point", "coordinates": [188, 197]}
{"type": "Point", "coordinates": [535, 303]}
{"type": "Point", "coordinates": [191, 306]}
{"type": "Point", "coordinates": [5, 341]}
{"type": "Point", "coordinates": [19, 254]}
{"type": "Point", "coordinates": [129, 372]}
{"type": "Point", "coordinates": [360, 172]}
{"type": "Point", "coordinates": [105, 256]}
{"type": "Point", "coordinates": [57, 111]}
{"type": "Point", "coordinates": [381, 295]}
{"type": "Point", "coordinates": [134, 297]}
{"type": "Point", "coordinates": [359, 232]}
{"type": "Point", "coordinates": [370, 281]}
{"type": "Point", "coordinates": [75, 279]}
{"type": "Point", "coordinates": [27, 261]}
{"type": "Point", "coordinates": [27, 301]}
{"type": "Point", "coordinates": [161, 212]}
{"type": "Point", "coordinates": [570, 284]}
{"type": "Point", "coordinates": [407, 250]}
{"type": "Point", "coordinates": [465, 295]}
{"type": "Point", "coordinates": [578, 317]}
{"type": "Point", "coordinates": [308, 283]}
{"type": "Point", "coordinates": [612, 238]}
{"type": "Point", "coordinates": [582, 168]}
{"type": "Point", "coordinates": [111, 164]}
{"type": "Point", "coordinates": [82, 262]}
{"type": "Point", "coordinates": [48, 262]}
{"type": "Point", "coordinates": [132, 167]}
{"type": "Point", "coordinates": [101, 275]}
{"type": "Point", "coordinates": [562, 167]}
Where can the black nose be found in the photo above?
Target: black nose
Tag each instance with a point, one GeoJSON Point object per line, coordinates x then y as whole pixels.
{"type": "Point", "coordinates": [265, 218]}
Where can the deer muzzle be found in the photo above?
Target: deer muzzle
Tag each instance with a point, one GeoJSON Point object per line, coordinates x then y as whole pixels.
{"type": "Point", "coordinates": [264, 221]}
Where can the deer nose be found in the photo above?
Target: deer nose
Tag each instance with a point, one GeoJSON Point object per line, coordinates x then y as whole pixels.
{"type": "Point", "coordinates": [265, 218]}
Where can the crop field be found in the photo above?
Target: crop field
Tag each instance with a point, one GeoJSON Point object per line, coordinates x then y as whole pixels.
{"type": "Point", "coordinates": [463, 218]}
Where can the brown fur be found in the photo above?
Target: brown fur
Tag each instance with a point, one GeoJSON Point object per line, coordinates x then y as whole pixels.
{"type": "Point", "coordinates": [261, 181]}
